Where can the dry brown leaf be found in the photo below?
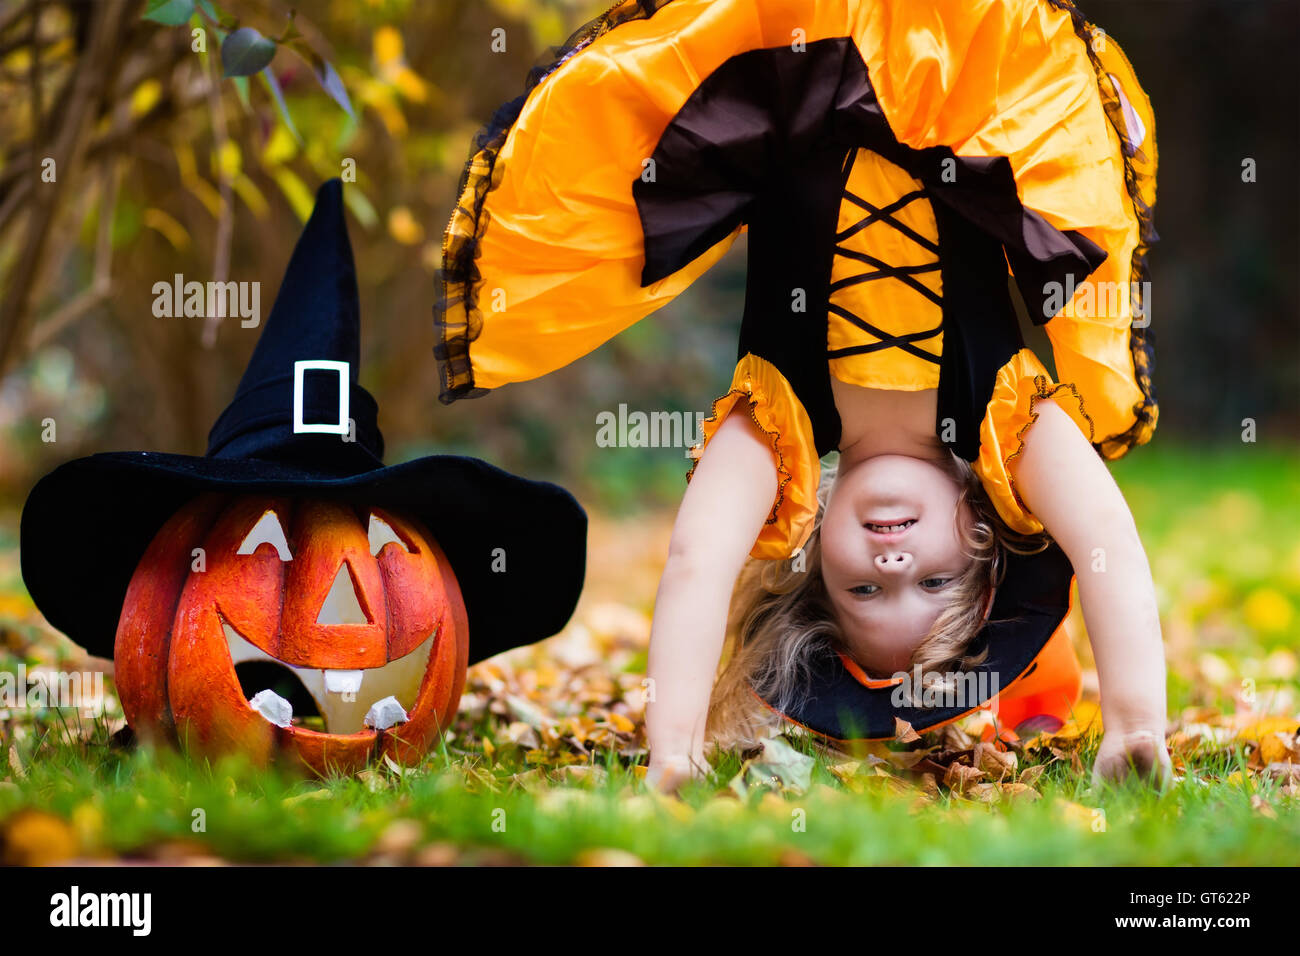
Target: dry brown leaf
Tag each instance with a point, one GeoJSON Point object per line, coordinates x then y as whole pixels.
{"type": "Point", "coordinates": [959, 777]}
{"type": "Point", "coordinates": [929, 785]}
{"type": "Point", "coordinates": [1020, 792]}
{"type": "Point", "coordinates": [903, 731]}
{"type": "Point", "coordinates": [595, 776]}
{"type": "Point", "coordinates": [1257, 730]}
{"type": "Point", "coordinates": [844, 771]}
{"type": "Point", "coordinates": [621, 724]}
{"type": "Point", "coordinates": [1072, 758]}
{"type": "Point", "coordinates": [907, 759]}
{"type": "Point", "coordinates": [1279, 747]}
{"type": "Point", "coordinates": [1029, 776]}
{"type": "Point", "coordinates": [952, 737]}
{"type": "Point", "coordinates": [997, 764]}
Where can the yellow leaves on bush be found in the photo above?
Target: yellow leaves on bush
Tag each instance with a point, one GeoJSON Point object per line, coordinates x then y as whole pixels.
{"type": "Point", "coordinates": [145, 96]}
{"type": "Point", "coordinates": [171, 230]}
{"type": "Point", "coordinates": [404, 227]}
{"type": "Point", "coordinates": [228, 160]}
{"type": "Point", "coordinates": [390, 58]}
{"type": "Point", "coordinates": [388, 46]}
{"type": "Point", "coordinates": [295, 191]}
{"type": "Point", "coordinates": [194, 184]}
{"type": "Point", "coordinates": [280, 147]}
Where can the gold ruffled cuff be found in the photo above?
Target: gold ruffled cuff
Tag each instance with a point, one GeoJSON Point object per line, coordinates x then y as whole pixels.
{"type": "Point", "coordinates": [1022, 382]}
{"type": "Point", "coordinates": [782, 418]}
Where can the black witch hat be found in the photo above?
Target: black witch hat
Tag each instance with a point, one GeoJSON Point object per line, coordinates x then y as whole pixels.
{"type": "Point", "coordinates": [300, 424]}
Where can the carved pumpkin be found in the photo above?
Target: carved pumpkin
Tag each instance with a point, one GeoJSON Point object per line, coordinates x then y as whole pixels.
{"type": "Point", "coordinates": [253, 600]}
{"type": "Point", "coordinates": [350, 605]}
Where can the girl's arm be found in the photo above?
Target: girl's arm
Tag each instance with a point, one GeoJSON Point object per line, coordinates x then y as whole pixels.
{"type": "Point", "coordinates": [1069, 488]}
{"type": "Point", "coordinates": [725, 506]}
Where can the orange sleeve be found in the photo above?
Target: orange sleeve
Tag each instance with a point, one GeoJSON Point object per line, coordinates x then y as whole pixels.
{"type": "Point", "coordinates": [1021, 383]}
{"type": "Point", "coordinates": [772, 404]}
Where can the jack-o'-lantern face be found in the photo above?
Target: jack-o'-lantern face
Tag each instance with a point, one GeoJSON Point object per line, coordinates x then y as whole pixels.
{"type": "Point", "coordinates": [314, 629]}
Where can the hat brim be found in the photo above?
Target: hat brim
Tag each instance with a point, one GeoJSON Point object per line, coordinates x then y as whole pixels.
{"type": "Point", "coordinates": [87, 523]}
{"type": "Point", "coordinates": [1030, 604]}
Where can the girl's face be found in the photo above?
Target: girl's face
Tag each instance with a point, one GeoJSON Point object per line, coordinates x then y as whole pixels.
{"type": "Point", "coordinates": [890, 553]}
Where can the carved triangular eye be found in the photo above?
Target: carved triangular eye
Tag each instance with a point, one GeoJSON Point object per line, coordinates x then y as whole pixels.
{"type": "Point", "coordinates": [381, 533]}
{"type": "Point", "coordinates": [267, 531]}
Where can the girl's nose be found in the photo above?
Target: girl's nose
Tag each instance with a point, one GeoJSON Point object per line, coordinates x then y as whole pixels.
{"type": "Point", "coordinates": [895, 561]}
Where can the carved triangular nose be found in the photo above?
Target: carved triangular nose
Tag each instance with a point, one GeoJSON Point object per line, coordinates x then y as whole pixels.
{"type": "Point", "coordinates": [341, 605]}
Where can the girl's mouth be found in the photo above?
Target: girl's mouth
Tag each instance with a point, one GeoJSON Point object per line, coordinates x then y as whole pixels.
{"type": "Point", "coordinates": [889, 527]}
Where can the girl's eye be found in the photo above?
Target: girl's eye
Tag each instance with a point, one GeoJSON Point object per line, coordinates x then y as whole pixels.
{"type": "Point", "coordinates": [861, 589]}
{"type": "Point", "coordinates": [935, 582]}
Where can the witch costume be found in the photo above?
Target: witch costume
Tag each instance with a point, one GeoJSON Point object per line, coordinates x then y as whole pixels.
{"type": "Point", "coordinates": [86, 525]}
{"type": "Point", "coordinates": [906, 170]}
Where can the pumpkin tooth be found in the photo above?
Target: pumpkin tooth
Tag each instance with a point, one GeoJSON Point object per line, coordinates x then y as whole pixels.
{"type": "Point", "coordinates": [342, 682]}
{"type": "Point", "coordinates": [385, 713]}
{"type": "Point", "coordinates": [273, 707]}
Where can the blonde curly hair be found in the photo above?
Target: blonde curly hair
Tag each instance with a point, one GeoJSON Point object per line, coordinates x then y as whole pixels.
{"type": "Point", "coordinates": [781, 619]}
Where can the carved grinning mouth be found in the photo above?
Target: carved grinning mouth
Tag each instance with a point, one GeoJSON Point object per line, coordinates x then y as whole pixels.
{"type": "Point", "coordinates": [346, 701]}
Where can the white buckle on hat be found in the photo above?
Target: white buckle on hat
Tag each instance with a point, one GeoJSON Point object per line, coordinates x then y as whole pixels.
{"type": "Point", "coordinates": [328, 428]}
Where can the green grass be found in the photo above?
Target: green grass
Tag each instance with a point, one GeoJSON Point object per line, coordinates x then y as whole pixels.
{"type": "Point", "coordinates": [126, 804]}
{"type": "Point", "coordinates": [1223, 532]}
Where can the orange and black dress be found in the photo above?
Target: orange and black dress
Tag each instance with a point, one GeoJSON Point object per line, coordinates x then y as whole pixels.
{"type": "Point", "coordinates": [904, 170]}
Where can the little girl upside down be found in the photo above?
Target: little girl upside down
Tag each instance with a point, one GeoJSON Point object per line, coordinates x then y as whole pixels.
{"type": "Point", "coordinates": [898, 574]}
{"type": "Point", "coordinates": [893, 165]}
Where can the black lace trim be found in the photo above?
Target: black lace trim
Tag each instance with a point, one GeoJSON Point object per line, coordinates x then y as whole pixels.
{"type": "Point", "coordinates": [1141, 338]}
{"type": "Point", "coordinates": [457, 319]}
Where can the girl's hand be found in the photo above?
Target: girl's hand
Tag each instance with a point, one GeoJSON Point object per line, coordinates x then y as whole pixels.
{"type": "Point", "coordinates": [668, 773]}
{"type": "Point", "coordinates": [1140, 752]}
